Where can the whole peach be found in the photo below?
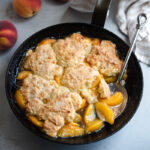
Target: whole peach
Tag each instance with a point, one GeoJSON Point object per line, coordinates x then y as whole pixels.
{"type": "Point", "coordinates": [26, 8]}
{"type": "Point", "coordinates": [8, 35]}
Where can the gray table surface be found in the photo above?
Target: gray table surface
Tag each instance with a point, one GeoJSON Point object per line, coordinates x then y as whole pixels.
{"type": "Point", "coordinates": [13, 136]}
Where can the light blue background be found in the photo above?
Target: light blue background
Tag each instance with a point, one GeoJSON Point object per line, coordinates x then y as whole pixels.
{"type": "Point", "coordinates": [13, 136]}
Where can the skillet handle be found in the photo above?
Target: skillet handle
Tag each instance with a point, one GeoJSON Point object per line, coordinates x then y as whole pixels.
{"type": "Point", "coordinates": [100, 12]}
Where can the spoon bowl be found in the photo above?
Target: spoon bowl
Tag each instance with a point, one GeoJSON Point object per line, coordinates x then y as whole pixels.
{"type": "Point", "coordinates": [117, 87]}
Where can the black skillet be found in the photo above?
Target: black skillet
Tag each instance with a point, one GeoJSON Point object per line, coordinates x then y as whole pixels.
{"type": "Point", "coordinates": [134, 83]}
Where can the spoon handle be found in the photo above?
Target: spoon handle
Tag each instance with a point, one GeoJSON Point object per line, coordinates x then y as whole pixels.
{"type": "Point", "coordinates": [141, 21]}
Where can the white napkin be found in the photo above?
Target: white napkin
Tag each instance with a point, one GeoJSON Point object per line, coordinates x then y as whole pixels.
{"type": "Point", "coordinates": [83, 5]}
{"type": "Point", "coordinates": [128, 10]}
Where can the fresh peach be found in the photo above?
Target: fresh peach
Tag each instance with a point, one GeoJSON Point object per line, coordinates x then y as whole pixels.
{"type": "Point", "coordinates": [26, 8]}
{"type": "Point", "coordinates": [8, 35]}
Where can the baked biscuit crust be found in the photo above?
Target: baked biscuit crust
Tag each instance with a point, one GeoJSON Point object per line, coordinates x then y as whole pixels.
{"type": "Point", "coordinates": [103, 58]}
{"type": "Point", "coordinates": [63, 75]}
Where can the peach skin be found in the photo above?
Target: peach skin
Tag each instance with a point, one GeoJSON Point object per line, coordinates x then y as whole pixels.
{"type": "Point", "coordinates": [26, 8]}
{"type": "Point", "coordinates": [8, 35]}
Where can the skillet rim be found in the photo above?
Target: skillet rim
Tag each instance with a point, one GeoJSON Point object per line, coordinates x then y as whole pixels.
{"type": "Point", "coordinates": [56, 140]}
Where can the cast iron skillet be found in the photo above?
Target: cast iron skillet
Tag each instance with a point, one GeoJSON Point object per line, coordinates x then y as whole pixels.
{"type": "Point", "coordinates": [134, 83]}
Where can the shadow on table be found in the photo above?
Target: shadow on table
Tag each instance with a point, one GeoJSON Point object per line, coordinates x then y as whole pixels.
{"type": "Point", "coordinates": [54, 2]}
{"type": "Point", "coordinates": [72, 15]}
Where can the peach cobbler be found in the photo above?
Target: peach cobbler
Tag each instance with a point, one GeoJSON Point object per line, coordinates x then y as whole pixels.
{"type": "Point", "coordinates": [64, 85]}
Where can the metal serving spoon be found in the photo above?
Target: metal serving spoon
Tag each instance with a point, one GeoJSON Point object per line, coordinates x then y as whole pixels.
{"type": "Point", "coordinates": [114, 87]}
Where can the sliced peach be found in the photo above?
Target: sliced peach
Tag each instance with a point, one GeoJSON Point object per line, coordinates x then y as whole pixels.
{"type": "Point", "coordinates": [57, 79]}
{"type": "Point", "coordinates": [110, 79]}
{"type": "Point", "coordinates": [74, 124]}
{"type": "Point", "coordinates": [125, 75]}
{"type": "Point", "coordinates": [35, 121]}
{"type": "Point", "coordinates": [94, 125]}
{"type": "Point", "coordinates": [70, 130]}
{"type": "Point", "coordinates": [46, 41]}
{"type": "Point", "coordinates": [19, 99]}
{"type": "Point", "coordinates": [96, 82]}
{"type": "Point", "coordinates": [78, 118]}
{"type": "Point", "coordinates": [96, 41]}
{"type": "Point", "coordinates": [23, 74]}
{"type": "Point", "coordinates": [114, 100]}
{"type": "Point", "coordinates": [88, 39]}
{"type": "Point", "coordinates": [95, 91]}
{"type": "Point", "coordinates": [117, 54]}
{"type": "Point", "coordinates": [89, 114]}
{"type": "Point", "coordinates": [106, 111]}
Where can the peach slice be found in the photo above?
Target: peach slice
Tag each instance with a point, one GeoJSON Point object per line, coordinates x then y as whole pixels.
{"type": "Point", "coordinates": [98, 78]}
{"type": "Point", "coordinates": [70, 130]}
{"type": "Point", "coordinates": [84, 103]}
{"type": "Point", "coordinates": [57, 79]}
{"type": "Point", "coordinates": [110, 79]}
{"type": "Point", "coordinates": [94, 125]}
{"type": "Point", "coordinates": [114, 100]}
{"type": "Point", "coordinates": [19, 99]}
{"type": "Point", "coordinates": [23, 74]}
{"type": "Point", "coordinates": [46, 41]}
{"type": "Point", "coordinates": [96, 41]}
{"type": "Point", "coordinates": [106, 111]}
{"type": "Point", "coordinates": [89, 114]}
{"type": "Point", "coordinates": [88, 39]}
{"type": "Point", "coordinates": [125, 75]}
{"type": "Point", "coordinates": [35, 121]}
